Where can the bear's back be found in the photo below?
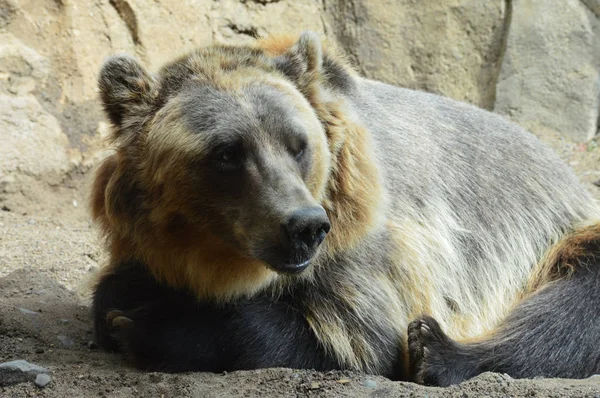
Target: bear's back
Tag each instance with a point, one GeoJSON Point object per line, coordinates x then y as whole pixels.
{"type": "Point", "coordinates": [474, 199]}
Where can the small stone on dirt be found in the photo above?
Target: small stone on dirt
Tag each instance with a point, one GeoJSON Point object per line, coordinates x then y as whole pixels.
{"type": "Point", "coordinates": [28, 312]}
{"type": "Point", "coordinates": [370, 383]}
{"type": "Point", "coordinates": [343, 381]}
{"type": "Point", "coordinates": [65, 341]}
{"type": "Point", "coordinates": [314, 385]}
{"type": "Point", "coordinates": [42, 380]}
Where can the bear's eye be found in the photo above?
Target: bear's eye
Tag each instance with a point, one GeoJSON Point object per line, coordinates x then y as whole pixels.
{"type": "Point", "coordinates": [227, 155]}
{"type": "Point", "coordinates": [229, 158]}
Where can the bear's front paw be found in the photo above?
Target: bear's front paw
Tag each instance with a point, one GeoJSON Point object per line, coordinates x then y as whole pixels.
{"type": "Point", "coordinates": [435, 359]}
{"type": "Point", "coordinates": [124, 330]}
{"type": "Point", "coordinates": [120, 325]}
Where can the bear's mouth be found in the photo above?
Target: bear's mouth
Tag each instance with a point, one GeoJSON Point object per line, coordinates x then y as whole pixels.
{"type": "Point", "coordinates": [286, 264]}
{"type": "Point", "coordinates": [292, 269]}
{"type": "Point", "coordinates": [298, 243]}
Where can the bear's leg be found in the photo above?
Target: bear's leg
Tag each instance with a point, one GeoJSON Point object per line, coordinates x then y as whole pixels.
{"type": "Point", "coordinates": [162, 329]}
{"type": "Point", "coordinates": [553, 333]}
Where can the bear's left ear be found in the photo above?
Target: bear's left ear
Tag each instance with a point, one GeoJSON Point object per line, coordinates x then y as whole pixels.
{"type": "Point", "coordinates": [302, 63]}
{"type": "Point", "coordinates": [126, 88]}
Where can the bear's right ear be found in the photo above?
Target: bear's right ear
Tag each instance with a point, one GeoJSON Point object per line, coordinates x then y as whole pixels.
{"type": "Point", "coordinates": [125, 88]}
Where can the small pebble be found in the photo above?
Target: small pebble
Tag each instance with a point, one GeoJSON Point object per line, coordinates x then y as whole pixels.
{"type": "Point", "coordinates": [370, 383]}
{"type": "Point", "coordinates": [314, 385]}
{"type": "Point", "coordinates": [28, 312]}
{"type": "Point", "coordinates": [343, 381]}
{"type": "Point", "coordinates": [65, 341]}
{"type": "Point", "coordinates": [42, 379]}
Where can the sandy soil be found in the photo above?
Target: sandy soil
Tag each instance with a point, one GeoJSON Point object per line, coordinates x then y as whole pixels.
{"type": "Point", "coordinates": [49, 251]}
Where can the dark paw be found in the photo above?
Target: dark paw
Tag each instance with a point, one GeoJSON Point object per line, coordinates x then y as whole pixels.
{"type": "Point", "coordinates": [124, 330]}
{"type": "Point", "coordinates": [119, 325]}
{"type": "Point", "coordinates": [434, 357]}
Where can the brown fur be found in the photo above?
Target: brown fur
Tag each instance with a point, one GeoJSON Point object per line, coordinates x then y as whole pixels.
{"type": "Point", "coordinates": [355, 188]}
{"type": "Point", "coordinates": [103, 174]}
{"type": "Point", "coordinates": [564, 257]}
{"type": "Point", "coordinates": [175, 251]}
{"type": "Point", "coordinates": [277, 44]}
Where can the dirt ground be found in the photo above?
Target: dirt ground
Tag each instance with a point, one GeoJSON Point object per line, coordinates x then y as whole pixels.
{"type": "Point", "coordinates": [49, 251]}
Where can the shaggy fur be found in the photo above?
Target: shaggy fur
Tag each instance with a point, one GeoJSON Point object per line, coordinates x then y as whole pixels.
{"type": "Point", "coordinates": [436, 207]}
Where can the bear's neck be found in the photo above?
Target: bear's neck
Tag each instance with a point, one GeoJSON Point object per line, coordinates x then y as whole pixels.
{"type": "Point", "coordinates": [207, 267]}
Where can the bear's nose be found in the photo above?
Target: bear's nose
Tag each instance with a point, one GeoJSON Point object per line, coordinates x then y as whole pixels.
{"type": "Point", "coordinates": [306, 228]}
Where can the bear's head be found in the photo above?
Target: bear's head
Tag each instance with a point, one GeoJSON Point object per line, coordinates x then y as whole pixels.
{"type": "Point", "coordinates": [222, 166]}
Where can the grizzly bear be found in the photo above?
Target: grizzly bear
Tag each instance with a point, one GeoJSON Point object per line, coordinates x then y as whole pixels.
{"type": "Point", "coordinates": [266, 206]}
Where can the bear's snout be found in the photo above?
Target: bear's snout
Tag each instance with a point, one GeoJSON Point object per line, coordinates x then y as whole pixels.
{"type": "Point", "coordinates": [303, 232]}
{"type": "Point", "coordinates": [306, 227]}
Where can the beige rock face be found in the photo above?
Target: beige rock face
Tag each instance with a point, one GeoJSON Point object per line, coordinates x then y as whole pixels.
{"type": "Point", "coordinates": [550, 76]}
{"type": "Point", "coordinates": [21, 67]}
{"type": "Point", "coordinates": [235, 21]}
{"type": "Point", "coordinates": [535, 61]}
{"type": "Point", "coordinates": [451, 47]}
{"type": "Point", "coordinates": [32, 141]}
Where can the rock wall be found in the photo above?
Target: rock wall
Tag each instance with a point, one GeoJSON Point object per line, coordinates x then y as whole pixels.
{"type": "Point", "coordinates": [549, 76]}
{"type": "Point", "coordinates": [535, 61]}
{"type": "Point", "coordinates": [453, 47]}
